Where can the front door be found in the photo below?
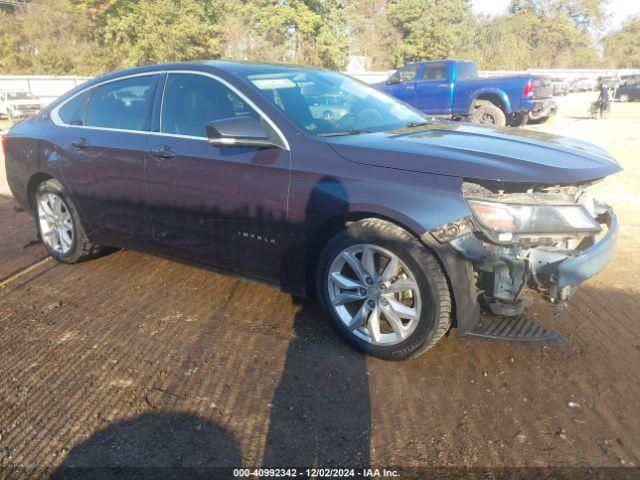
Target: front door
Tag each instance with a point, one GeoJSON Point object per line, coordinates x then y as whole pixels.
{"type": "Point", "coordinates": [222, 206]}
{"type": "Point", "coordinates": [403, 84]}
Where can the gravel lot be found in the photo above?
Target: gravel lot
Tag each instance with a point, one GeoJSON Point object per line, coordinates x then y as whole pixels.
{"type": "Point", "coordinates": [131, 360]}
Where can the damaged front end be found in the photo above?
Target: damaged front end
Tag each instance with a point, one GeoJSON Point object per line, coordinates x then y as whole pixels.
{"type": "Point", "coordinates": [541, 237]}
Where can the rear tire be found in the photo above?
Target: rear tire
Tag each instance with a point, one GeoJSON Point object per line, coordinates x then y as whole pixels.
{"type": "Point", "coordinates": [518, 119]}
{"type": "Point", "coordinates": [396, 312]}
{"type": "Point", "coordinates": [486, 113]}
{"type": "Point", "coordinates": [59, 225]}
{"type": "Point", "coordinates": [623, 98]}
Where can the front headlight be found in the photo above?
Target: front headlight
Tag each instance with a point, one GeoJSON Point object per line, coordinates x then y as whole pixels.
{"type": "Point", "coordinates": [507, 220]}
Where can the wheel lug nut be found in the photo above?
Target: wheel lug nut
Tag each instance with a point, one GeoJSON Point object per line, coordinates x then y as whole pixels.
{"type": "Point", "coordinates": [383, 301]}
{"type": "Point", "coordinates": [363, 292]}
{"type": "Point", "coordinates": [371, 304]}
{"type": "Point", "coordinates": [368, 281]}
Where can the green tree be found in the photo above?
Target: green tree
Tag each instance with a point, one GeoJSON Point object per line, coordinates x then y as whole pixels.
{"type": "Point", "coordinates": [622, 47]}
{"type": "Point", "coordinates": [46, 37]}
{"type": "Point", "coordinates": [156, 31]}
{"type": "Point", "coordinates": [430, 29]}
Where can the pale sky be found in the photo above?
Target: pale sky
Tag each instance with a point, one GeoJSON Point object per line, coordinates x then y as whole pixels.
{"type": "Point", "coordinates": [620, 9]}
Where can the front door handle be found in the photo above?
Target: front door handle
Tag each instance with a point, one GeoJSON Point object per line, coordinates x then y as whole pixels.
{"type": "Point", "coordinates": [163, 152]}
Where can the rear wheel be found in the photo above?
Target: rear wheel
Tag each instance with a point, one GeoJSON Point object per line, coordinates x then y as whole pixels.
{"type": "Point", "coordinates": [59, 225]}
{"type": "Point", "coordinates": [383, 291]}
{"type": "Point", "coordinates": [486, 113]}
{"type": "Point", "coordinates": [624, 97]}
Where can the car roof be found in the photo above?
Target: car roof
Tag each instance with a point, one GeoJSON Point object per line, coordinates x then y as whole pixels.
{"type": "Point", "coordinates": [241, 68]}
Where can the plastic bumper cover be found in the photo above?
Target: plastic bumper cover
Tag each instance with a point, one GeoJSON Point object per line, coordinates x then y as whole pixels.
{"type": "Point", "coordinates": [575, 270]}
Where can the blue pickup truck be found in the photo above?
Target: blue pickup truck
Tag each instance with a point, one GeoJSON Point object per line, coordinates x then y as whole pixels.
{"type": "Point", "coordinates": [452, 88]}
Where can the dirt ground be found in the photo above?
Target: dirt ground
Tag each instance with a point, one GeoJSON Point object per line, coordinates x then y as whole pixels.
{"type": "Point", "coordinates": [131, 360]}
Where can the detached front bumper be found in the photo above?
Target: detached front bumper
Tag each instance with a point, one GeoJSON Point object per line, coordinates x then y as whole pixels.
{"type": "Point", "coordinates": [561, 271]}
{"type": "Point", "coordinates": [504, 272]}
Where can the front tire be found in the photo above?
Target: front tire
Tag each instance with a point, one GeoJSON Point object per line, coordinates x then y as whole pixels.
{"type": "Point", "coordinates": [59, 225]}
{"type": "Point", "coordinates": [383, 291]}
{"type": "Point", "coordinates": [623, 98]}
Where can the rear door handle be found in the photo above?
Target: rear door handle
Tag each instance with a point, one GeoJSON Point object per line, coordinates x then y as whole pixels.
{"type": "Point", "coordinates": [163, 152]}
{"type": "Point", "coordinates": [444, 85]}
{"type": "Point", "coordinates": [79, 144]}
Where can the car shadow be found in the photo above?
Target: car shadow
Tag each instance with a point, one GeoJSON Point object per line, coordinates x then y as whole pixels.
{"type": "Point", "coordinates": [321, 409]}
{"type": "Point", "coordinates": [162, 445]}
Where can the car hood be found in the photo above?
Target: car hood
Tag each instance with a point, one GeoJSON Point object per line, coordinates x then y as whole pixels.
{"type": "Point", "coordinates": [465, 150]}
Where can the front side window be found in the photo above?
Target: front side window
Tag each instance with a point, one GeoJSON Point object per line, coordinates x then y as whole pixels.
{"type": "Point", "coordinates": [192, 101]}
{"type": "Point", "coordinates": [406, 74]}
{"type": "Point", "coordinates": [322, 102]}
{"type": "Point", "coordinates": [123, 104]}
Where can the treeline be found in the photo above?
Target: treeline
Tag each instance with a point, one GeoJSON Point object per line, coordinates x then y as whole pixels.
{"type": "Point", "coordinates": [88, 37]}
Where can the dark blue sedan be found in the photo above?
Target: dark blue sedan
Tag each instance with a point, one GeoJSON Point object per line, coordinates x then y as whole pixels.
{"type": "Point", "coordinates": [400, 226]}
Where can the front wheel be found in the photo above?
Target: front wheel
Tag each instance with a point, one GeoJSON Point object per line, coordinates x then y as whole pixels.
{"type": "Point", "coordinates": [623, 98]}
{"type": "Point", "coordinates": [383, 291]}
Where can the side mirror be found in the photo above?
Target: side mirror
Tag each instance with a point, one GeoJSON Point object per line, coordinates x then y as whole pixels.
{"type": "Point", "coordinates": [239, 132]}
{"type": "Point", "coordinates": [393, 80]}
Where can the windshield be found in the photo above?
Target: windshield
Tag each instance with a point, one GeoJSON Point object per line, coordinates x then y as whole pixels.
{"type": "Point", "coordinates": [19, 96]}
{"type": "Point", "coordinates": [327, 103]}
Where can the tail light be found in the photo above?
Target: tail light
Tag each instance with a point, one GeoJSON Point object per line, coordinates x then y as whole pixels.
{"type": "Point", "coordinates": [529, 89]}
{"type": "Point", "coordinates": [4, 144]}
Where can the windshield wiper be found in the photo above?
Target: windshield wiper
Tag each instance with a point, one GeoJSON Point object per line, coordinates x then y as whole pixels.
{"type": "Point", "coordinates": [353, 131]}
{"type": "Point", "coordinates": [416, 124]}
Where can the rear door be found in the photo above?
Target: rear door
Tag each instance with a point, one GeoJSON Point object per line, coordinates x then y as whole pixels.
{"type": "Point", "coordinates": [222, 206]}
{"type": "Point", "coordinates": [103, 148]}
{"type": "Point", "coordinates": [434, 91]}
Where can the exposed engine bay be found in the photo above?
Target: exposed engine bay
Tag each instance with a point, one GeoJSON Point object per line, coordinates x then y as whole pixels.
{"type": "Point", "coordinates": [548, 238]}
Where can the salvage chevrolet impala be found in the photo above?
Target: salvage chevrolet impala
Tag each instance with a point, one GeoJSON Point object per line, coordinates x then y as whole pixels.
{"type": "Point", "coordinates": [401, 227]}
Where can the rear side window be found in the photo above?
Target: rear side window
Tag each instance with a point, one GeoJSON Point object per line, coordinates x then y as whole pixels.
{"type": "Point", "coordinates": [72, 112]}
{"type": "Point", "coordinates": [123, 104]}
{"type": "Point", "coordinates": [467, 71]}
{"type": "Point", "coordinates": [192, 101]}
{"type": "Point", "coordinates": [434, 72]}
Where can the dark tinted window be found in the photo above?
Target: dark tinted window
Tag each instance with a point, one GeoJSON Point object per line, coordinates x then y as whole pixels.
{"type": "Point", "coordinates": [434, 72]}
{"type": "Point", "coordinates": [466, 71]}
{"type": "Point", "coordinates": [192, 101]}
{"type": "Point", "coordinates": [123, 104]}
{"type": "Point", "coordinates": [72, 113]}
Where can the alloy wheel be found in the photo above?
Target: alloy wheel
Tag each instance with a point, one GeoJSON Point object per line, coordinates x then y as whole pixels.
{"type": "Point", "coordinates": [56, 225]}
{"type": "Point", "coordinates": [374, 294]}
